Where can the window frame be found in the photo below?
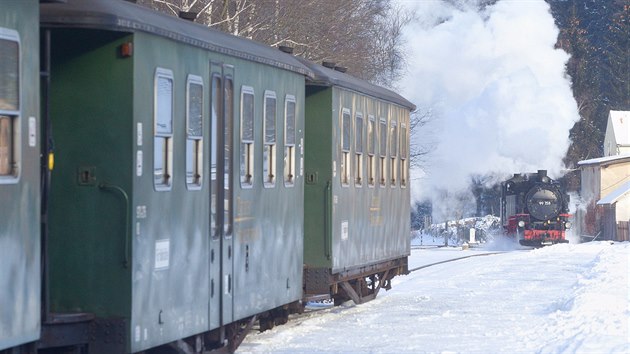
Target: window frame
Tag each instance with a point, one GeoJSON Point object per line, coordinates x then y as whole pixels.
{"type": "Point", "coordinates": [197, 140]}
{"type": "Point", "coordinates": [269, 151]}
{"type": "Point", "coordinates": [358, 149]}
{"type": "Point", "coordinates": [13, 116]}
{"type": "Point", "coordinates": [228, 154]}
{"type": "Point", "coordinates": [393, 152]}
{"type": "Point", "coordinates": [383, 140]}
{"type": "Point", "coordinates": [247, 168]}
{"type": "Point", "coordinates": [404, 150]}
{"type": "Point", "coordinates": [346, 146]}
{"type": "Point", "coordinates": [371, 141]}
{"type": "Point", "coordinates": [289, 148]}
{"type": "Point", "coordinates": [216, 119]}
{"type": "Point", "coordinates": [167, 150]}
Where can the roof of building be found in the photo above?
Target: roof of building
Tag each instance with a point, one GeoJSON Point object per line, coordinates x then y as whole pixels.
{"type": "Point", "coordinates": [606, 160]}
{"type": "Point", "coordinates": [621, 126]}
{"type": "Point", "coordinates": [614, 196]}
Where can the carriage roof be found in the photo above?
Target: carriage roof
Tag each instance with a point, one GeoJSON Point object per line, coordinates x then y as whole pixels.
{"type": "Point", "coordinates": [118, 15]}
{"type": "Point", "coordinates": [324, 76]}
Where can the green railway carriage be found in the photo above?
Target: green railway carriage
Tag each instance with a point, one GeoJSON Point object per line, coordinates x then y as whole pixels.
{"type": "Point", "coordinates": [177, 177]}
{"type": "Point", "coordinates": [19, 174]}
{"type": "Point", "coordinates": [357, 189]}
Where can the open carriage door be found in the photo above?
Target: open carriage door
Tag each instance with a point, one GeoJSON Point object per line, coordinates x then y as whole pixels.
{"type": "Point", "coordinates": [221, 194]}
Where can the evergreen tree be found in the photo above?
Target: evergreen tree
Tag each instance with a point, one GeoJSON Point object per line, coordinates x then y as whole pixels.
{"type": "Point", "coordinates": [595, 33]}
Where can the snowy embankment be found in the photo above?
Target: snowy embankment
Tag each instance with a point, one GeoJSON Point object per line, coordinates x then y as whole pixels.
{"type": "Point", "coordinates": [560, 299]}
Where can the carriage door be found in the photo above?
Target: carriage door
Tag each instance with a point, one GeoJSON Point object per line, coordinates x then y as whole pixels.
{"type": "Point", "coordinates": [221, 218]}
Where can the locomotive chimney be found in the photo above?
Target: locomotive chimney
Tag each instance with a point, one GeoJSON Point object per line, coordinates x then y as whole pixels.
{"type": "Point", "coordinates": [542, 173]}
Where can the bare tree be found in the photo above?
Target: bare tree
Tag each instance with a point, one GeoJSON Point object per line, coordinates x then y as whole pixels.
{"type": "Point", "coordinates": [363, 35]}
{"type": "Point", "coordinates": [389, 55]}
{"type": "Point", "coordinates": [420, 145]}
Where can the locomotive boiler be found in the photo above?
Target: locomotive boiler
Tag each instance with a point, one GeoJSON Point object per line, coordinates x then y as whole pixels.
{"type": "Point", "coordinates": [535, 209]}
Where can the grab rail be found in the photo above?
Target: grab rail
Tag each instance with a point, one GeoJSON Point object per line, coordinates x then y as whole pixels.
{"type": "Point", "coordinates": [105, 185]}
{"type": "Point", "coordinates": [327, 217]}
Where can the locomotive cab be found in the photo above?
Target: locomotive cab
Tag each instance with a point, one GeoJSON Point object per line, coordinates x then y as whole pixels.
{"type": "Point", "coordinates": [534, 209]}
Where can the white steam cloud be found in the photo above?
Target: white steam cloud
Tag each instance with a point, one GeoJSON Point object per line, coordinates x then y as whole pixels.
{"type": "Point", "coordinates": [500, 99]}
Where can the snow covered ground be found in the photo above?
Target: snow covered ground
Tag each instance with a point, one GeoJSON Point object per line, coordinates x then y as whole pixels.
{"type": "Point", "coordinates": [568, 298]}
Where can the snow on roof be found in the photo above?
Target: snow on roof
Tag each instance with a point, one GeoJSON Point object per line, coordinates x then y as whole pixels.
{"type": "Point", "coordinates": [606, 160]}
{"type": "Point", "coordinates": [614, 196]}
{"type": "Point", "coordinates": [621, 126]}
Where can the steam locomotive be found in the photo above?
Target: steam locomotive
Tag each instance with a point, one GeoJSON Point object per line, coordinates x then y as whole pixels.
{"type": "Point", "coordinates": [535, 209]}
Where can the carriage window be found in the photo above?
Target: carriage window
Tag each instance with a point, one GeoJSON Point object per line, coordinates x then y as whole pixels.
{"type": "Point", "coordinates": [403, 155]}
{"type": "Point", "coordinates": [216, 111]}
{"type": "Point", "coordinates": [382, 129]}
{"type": "Point", "coordinates": [6, 146]}
{"type": "Point", "coordinates": [9, 104]}
{"type": "Point", "coordinates": [358, 148]}
{"type": "Point", "coordinates": [163, 138]}
{"type": "Point", "coordinates": [371, 143]}
{"type": "Point", "coordinates": [346, 133]}
{"type": "Point", "coordinates": [269, 148]}
{"type": "Point", "coordinates": [393, 151]}
{"type": "Point", "coordinates": [289, 142]}
{"type": "Point", "coordinates": [194, 132]}
{"type": "Point", "coordinates": [247, 136]}
{"type": "Point", "coordinates": [9, 74]}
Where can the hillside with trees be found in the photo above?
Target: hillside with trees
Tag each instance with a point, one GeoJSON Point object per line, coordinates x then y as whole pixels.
{"type": "Point", "coordinates": [596, 34]}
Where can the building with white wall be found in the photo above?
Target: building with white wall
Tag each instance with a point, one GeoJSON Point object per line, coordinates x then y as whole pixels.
{"type": "Point", "coordinates": [617, 138]}
{"type": "Point", "coordinates": [605, 190]}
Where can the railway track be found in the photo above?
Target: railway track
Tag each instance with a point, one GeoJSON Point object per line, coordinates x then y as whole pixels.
{"type": "Point", "coordinates": [455, 259]}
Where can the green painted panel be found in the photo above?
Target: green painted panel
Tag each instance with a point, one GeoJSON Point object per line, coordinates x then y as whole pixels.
{"type": "Point", "coordinates": [268, 227]}
{"type": "Point", "coordinates": [91, 111]}
{"type": "Point", "coordinates": [165, 293]}
{"type": "Point", "coordinates": [265, 273]}
{"type": "Point", "coordinates": [368, 224]}
{"type": "Point", "coordinates": [318, 170]}
{"type": "Point", "coordinates": [170, 282]}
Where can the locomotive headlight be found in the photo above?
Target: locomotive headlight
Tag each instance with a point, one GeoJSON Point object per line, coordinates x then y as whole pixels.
{"type": "Point", "coordinates": [521, 223]}
{"type": "Point", "coordinates": [567, 224]}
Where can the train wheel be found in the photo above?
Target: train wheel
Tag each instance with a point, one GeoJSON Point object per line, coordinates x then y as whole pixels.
{"type": "Point", "coordinates": [340, 299]}
{"type": "Point", "coordinates": [266, 324]}
{"type": "Point", "coordinates": [281, 316]}
{"type": "Point", "coordinates": [236, 332]}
